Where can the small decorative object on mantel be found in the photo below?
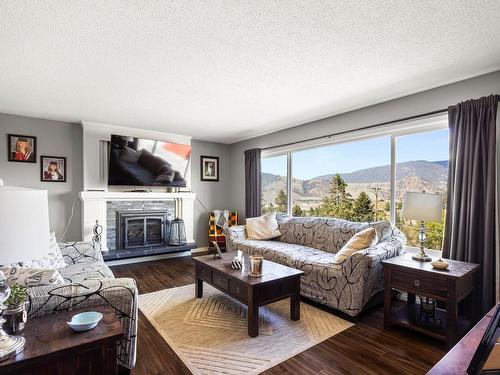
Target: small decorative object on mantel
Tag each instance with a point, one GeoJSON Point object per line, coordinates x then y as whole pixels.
{"type": "Point", "coordinates": [177, 232]}
{"type": "Point", "coordinates": [52, 168]}
{"type": "Point", "coordinates": [209, 168]}
{"type": "Point", "coordinates": [22, 148]}
{"type": "Point", "coordinates": [15, 314]}
{"type": "Point", "coordinates": [440, 264]}
{"type": "Point", "coordinates": [96, 240]}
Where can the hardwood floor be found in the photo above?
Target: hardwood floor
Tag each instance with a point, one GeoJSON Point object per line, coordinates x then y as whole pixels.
{"type": "Point", "coordinates": [365, 348]}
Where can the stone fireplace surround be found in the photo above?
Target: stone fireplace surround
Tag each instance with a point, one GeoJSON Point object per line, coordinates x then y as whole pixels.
{"type": "Point", "coordinates": [131, 207]}
{"type": "Point", "coordinates": [100, 205]}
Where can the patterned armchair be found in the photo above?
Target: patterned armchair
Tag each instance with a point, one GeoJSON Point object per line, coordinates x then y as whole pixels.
{"type": "Point", "coordinates": [88, 282]}
{"type": "Point", "coordinates": [310, 244]}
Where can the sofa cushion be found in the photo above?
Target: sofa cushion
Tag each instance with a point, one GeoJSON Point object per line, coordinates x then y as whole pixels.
{"type": "Point", "coordinates": [292, 255]}
{"type": "Point", "coordinates": [327, 234]}
{"type": "Point", "coordinates": [86, 271]}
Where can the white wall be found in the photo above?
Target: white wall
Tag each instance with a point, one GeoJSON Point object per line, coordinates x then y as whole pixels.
{"type": "Point", "coordinates": [214, 195]}
{"type": "Point", "coordinates": [426, 101]}
{"type": "Point", "coordinates": [54, 138]}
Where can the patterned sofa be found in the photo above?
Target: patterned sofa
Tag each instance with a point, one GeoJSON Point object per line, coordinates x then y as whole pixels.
{"type": "Point", "coordinates": [88, 282]}
{"type": "Point", "coordinates": [310, 244]}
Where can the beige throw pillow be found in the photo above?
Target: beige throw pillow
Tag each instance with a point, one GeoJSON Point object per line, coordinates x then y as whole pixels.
{"type": "Point", "coordinates": [361, 240]}
{"type": "Point", "coordinates": [263, 227]}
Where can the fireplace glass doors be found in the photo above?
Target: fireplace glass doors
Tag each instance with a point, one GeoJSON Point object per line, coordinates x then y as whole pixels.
{"type": "Point", "coordinates": [141, 229]}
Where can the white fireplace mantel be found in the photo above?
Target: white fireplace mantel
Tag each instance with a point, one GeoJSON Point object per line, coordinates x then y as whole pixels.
{"type": "Point", "coordinates": [134, 196]}
{"type": "Point", "coordinates": [94, 208]}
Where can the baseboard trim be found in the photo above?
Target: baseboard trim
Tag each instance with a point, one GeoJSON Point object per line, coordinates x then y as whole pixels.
{"type": "Point", "coordinates": [200, 251]}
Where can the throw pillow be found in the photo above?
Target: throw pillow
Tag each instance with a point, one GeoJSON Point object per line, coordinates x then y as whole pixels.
{"type": "Point", "coordinates": [30, 277]}
{"type": "Point", "coordinates": [263, 227]}
{"type": "Point", "coordinates": [130, 155]}
{"type": "Point", "coordinates": [53, 259]}
{"type": "Point", "coordinates": [361, 240]}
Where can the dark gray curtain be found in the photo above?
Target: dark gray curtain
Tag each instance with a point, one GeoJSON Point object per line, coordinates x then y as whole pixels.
{"type": "Point", "coordinates": [470, 228]}
{"type": "Point", "coordinates": [253, 188]}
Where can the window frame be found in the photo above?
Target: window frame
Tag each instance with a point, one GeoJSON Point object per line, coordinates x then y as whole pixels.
{"type": "Point", "coordinates": [395, 130]}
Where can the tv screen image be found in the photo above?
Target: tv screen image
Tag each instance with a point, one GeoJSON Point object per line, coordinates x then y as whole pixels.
{"type": "Point", "coordinates": [146, 162]}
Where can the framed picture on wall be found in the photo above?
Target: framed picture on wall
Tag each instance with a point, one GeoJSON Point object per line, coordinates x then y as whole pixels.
{"type": "Point", "coordinates": [21, 148]}
{"type": "Point", "coordinates": [52, 168]}
{"type": "Point", "coordinates": [209, 168]}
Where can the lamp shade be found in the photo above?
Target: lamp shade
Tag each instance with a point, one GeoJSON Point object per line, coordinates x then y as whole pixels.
{"type": "Point", "coordinates": [423, 207]}
{"type": "Point", "coordinates": [24, 224]}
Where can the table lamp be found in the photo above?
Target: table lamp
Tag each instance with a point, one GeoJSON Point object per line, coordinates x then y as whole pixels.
{"type": "Point", "coordinates": [24, 236]}
{"type": "Point", "coordinates": [423, 207]}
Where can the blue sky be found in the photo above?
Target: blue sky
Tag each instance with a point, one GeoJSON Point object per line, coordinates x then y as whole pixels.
{"type": "Point", "coordinates": [349, 157]}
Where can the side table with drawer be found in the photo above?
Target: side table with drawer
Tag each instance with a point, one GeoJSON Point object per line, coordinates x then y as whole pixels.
{"type": "Point", "coordinates": [52, 348]}
{"type": "Point", "coordinates": [450, 288]}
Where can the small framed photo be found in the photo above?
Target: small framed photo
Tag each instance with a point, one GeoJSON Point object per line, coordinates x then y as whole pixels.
{"type": "Point", "coordinates": [21, 148]}
{"type": "Point", "coordinates": [209, 168]}
{"type": "Point", "coordinates": [52, 168]}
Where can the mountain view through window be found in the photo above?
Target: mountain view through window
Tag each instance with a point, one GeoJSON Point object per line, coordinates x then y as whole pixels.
{"type": "Point", "coordinates": [352, 180]}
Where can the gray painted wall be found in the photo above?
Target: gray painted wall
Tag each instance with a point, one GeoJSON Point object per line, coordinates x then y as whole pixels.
{"type": "Point", "coordinates": [65, 139]}
{"type": "Point", "coordinates": [54, 138]}
{"type": "Point", "coordinates": [214, 195]}
{"type": "Point", "coordinates": [426, 101]}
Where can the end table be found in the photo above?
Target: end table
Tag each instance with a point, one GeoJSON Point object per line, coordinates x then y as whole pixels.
{"type": "Point", "coordinates": [53, 348]}
{"type": "Point", "coordinates": [457, 283]}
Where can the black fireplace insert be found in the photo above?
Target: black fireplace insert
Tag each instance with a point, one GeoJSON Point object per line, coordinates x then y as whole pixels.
{"type": "Point", "coordinates": [138, 229]}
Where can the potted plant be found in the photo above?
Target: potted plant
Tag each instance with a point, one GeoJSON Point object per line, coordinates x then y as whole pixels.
{"type": "Point", "coordinates": [15, 314]}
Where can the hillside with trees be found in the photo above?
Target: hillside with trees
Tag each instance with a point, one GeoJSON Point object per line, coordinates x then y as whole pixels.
{"type": "Point", "coordinates": [361, 201]}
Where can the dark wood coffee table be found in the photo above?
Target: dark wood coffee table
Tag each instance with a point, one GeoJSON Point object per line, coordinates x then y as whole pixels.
{"type": "Point", "coordinates": [276, 283]}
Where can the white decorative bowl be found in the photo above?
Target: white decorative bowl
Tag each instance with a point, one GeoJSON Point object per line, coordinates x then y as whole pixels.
{"type": "Point", "coordinates": [85, 321]}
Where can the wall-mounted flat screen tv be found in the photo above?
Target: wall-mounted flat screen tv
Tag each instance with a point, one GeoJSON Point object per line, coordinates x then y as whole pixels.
{"type": "Point", "coordinates": [146, 162]}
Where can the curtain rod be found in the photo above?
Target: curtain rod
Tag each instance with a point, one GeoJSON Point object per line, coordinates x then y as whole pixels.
{"type": "Point", "coordinates": [363, 128]}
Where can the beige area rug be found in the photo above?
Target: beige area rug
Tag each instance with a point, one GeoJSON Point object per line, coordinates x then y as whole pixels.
{"type": "Point", "coordinates": [209, 334]}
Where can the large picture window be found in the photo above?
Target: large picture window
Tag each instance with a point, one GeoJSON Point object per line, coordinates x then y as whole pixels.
{"type": "Point", "coordinates": [362, 178]}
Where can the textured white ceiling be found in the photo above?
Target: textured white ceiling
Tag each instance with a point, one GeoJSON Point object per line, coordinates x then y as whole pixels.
{"type": "Point", "coordinates": [229, 70]}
